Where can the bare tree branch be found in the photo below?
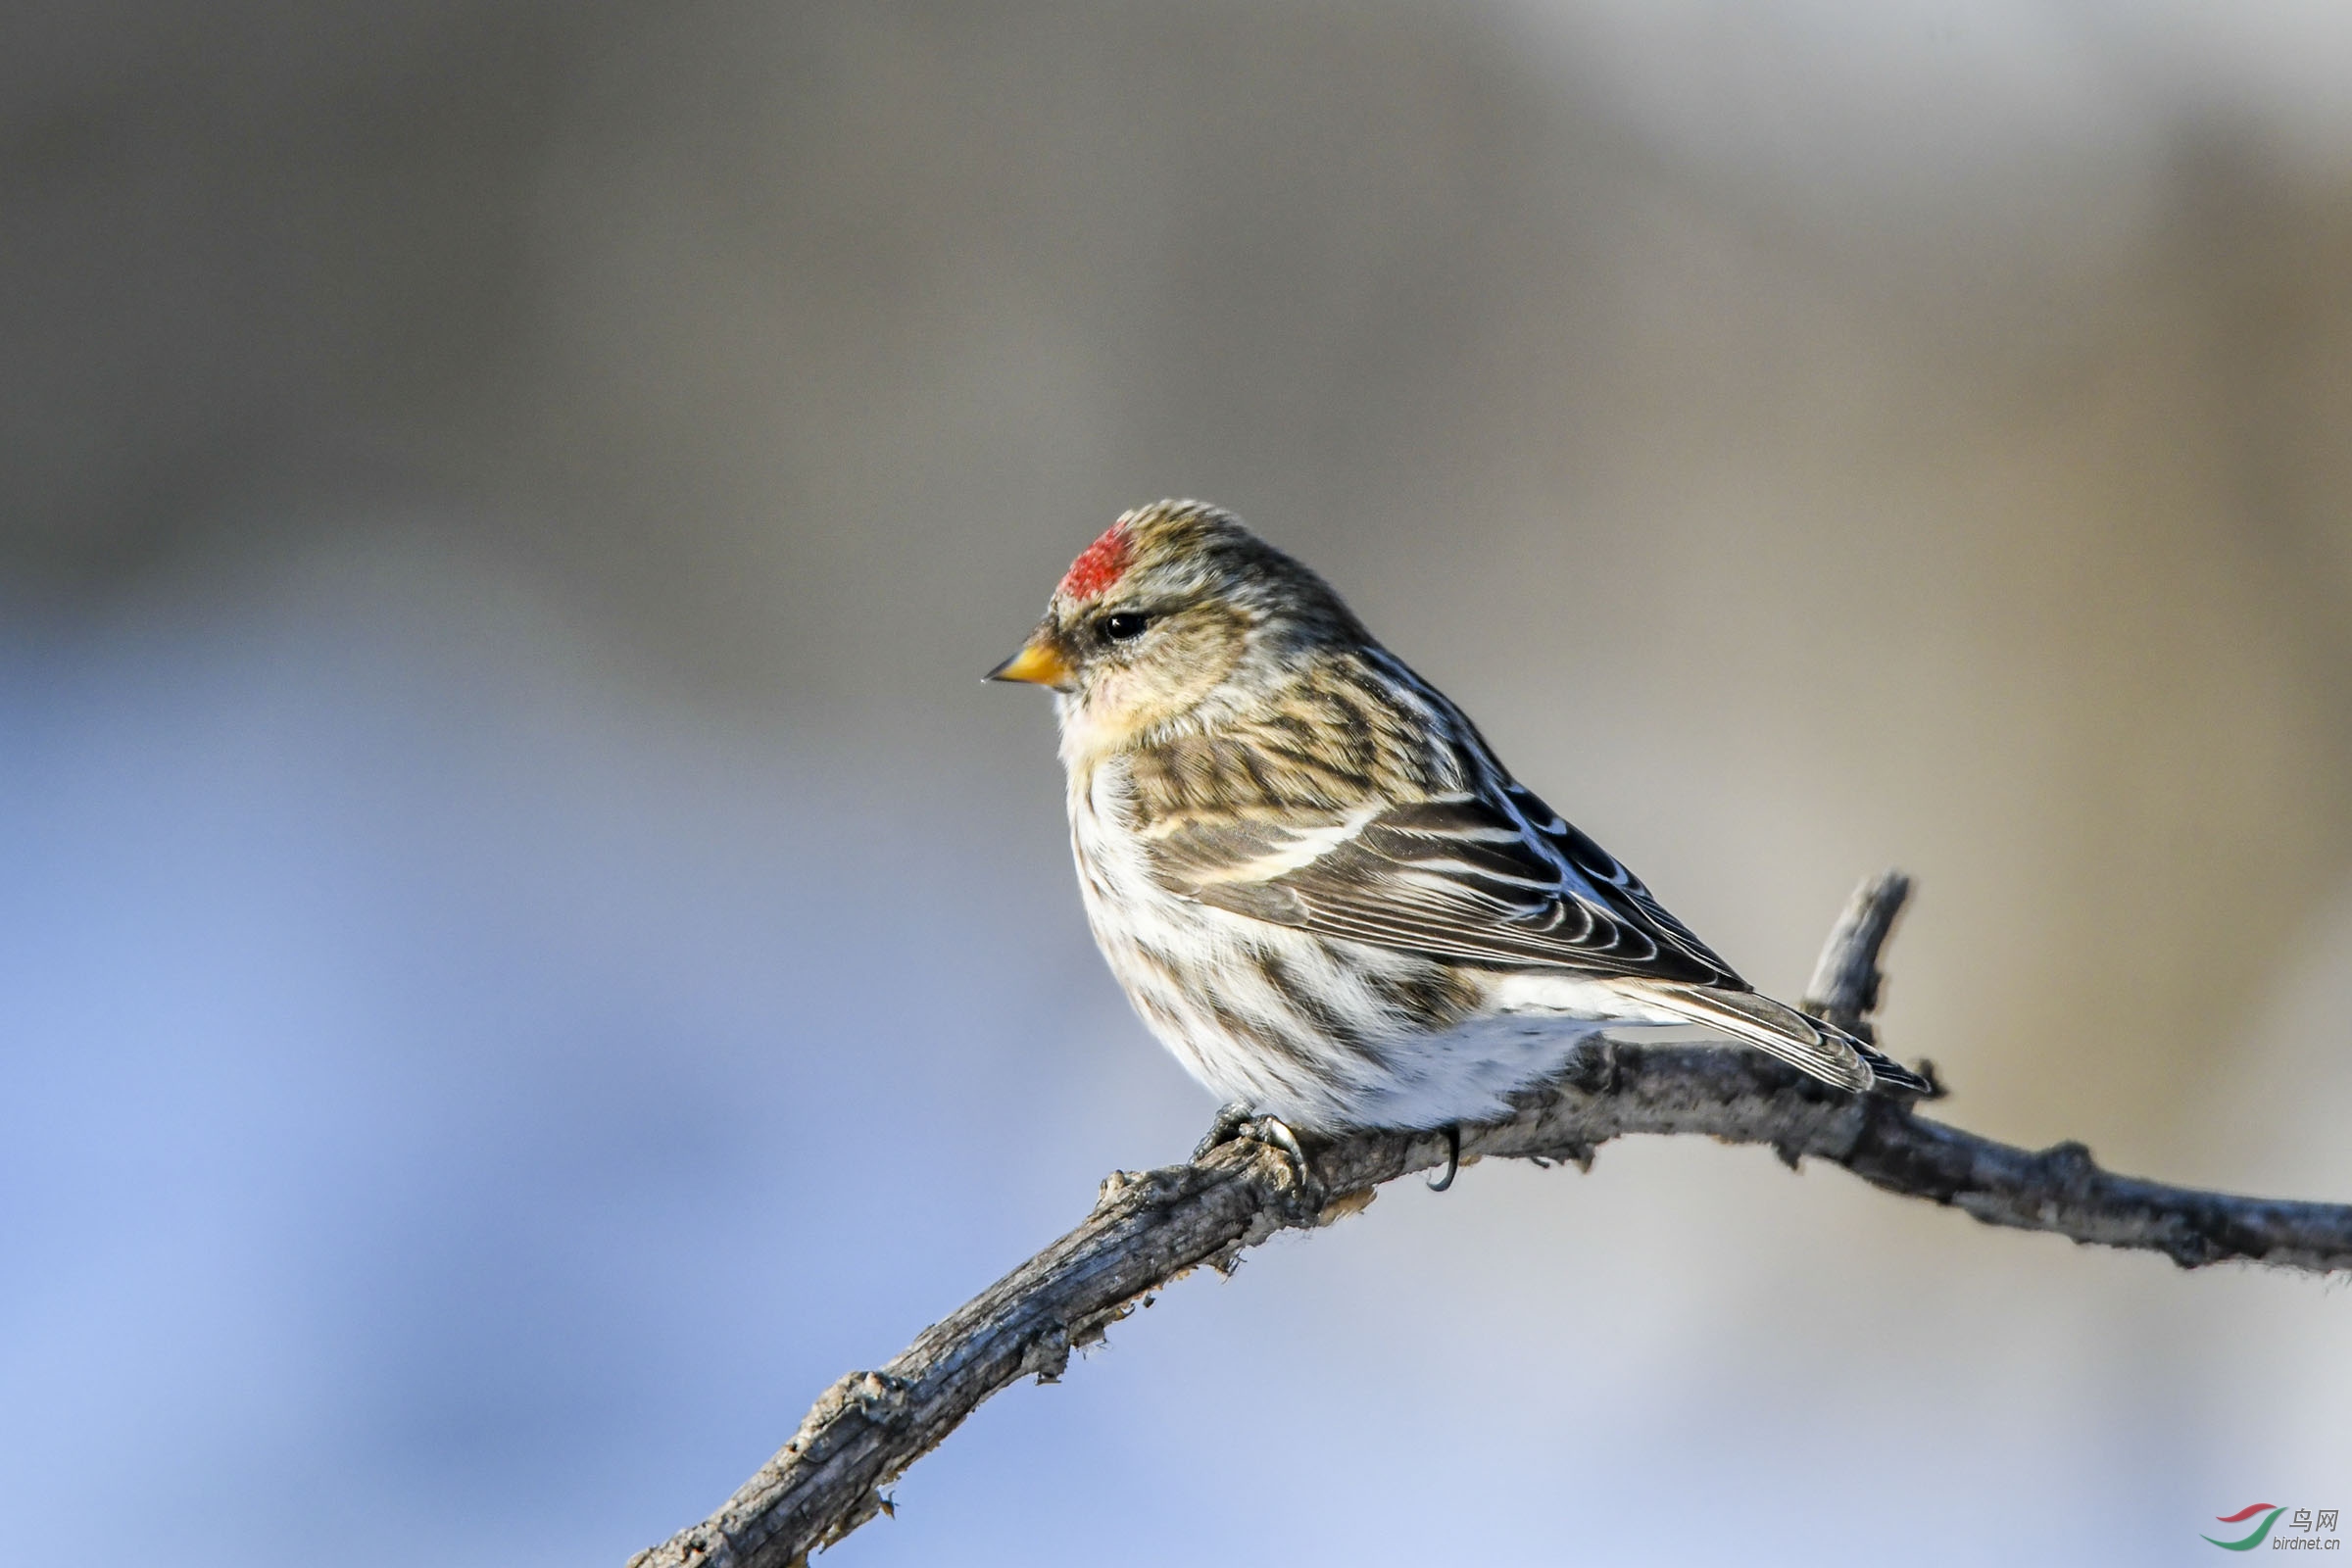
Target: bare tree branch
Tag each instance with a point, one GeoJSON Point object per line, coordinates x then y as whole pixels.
{"type": "Point", "coordinates": [1151, 1228]}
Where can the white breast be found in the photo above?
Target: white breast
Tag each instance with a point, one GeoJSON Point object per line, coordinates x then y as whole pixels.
{"type": "Point", "coordinates": [1222, 992]}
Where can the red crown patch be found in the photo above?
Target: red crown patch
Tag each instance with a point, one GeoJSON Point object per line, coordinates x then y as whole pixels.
{"type": "Point", "coordinates": [1100, 565]}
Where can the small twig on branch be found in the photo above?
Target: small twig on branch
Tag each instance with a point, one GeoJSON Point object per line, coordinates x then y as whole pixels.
{"type": "Point", "coordinates": [1844, 988]}
{"type": "Point", "coordinates": [1150, 1228]}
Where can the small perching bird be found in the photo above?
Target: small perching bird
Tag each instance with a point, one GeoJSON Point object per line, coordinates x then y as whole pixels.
{"type": "Point", "coordinates": [1316, 883]}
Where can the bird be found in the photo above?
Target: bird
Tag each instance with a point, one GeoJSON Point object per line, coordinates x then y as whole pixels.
{"type": "Point", "coordinates": [1315, 881]}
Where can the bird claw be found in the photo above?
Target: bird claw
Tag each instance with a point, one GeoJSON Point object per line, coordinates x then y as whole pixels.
{"type": "Point", "coordinates": [1231, 1118]}
{"type": "Point", "coordinates": [1238, 1121]}
{"type": "Point", "coordinates": [1276, 1134]}
{"type": "Point", "coordinates": [1453, 1159]}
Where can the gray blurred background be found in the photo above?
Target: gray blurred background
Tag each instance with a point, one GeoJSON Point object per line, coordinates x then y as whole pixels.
{"type": "Point", "coordinates": [525, 949]}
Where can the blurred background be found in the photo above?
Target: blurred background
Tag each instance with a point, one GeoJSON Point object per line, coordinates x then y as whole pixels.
{"type": "Point", "coordinates": [525, 949]}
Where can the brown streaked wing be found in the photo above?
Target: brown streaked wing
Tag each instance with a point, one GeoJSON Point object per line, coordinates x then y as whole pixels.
{"type": "Point", "coordinates": [1459, 878]}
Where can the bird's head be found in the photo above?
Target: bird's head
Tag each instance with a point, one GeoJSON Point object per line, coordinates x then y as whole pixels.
{"type": "Point", "coordinates": [1176, 614]}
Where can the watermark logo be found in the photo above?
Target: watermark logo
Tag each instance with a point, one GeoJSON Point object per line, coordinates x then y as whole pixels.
{"type": "Point", "coordinates": [2302, 1530]}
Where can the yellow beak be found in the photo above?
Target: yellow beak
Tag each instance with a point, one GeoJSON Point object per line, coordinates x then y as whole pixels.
{"type": "Point", "coordinates": [1040, 663]}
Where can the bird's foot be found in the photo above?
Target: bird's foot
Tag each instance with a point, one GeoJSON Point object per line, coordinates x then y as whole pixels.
{"type": "Point", "coordinates": [1239, 1121]}
{"type": "Point", "coordinates": [1453, 1159]}
{"type": "Point", "coordinates": [1231, 1118]}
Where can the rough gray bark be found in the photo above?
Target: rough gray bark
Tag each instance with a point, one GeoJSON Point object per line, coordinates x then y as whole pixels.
{"type": "Point", "coordinates": [1150, 1228]}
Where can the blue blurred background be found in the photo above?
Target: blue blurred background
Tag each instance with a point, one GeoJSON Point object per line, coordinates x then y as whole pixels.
{"type": "Point", "coordinates": [526, 951]}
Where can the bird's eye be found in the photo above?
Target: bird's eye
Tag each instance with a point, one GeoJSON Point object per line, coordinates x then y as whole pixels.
{"type": "Point", "coordinates": [1125, 625]}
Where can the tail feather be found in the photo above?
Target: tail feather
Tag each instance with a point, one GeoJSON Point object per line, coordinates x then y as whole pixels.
{"type": "Point", "coordinates": [1821, 1050]}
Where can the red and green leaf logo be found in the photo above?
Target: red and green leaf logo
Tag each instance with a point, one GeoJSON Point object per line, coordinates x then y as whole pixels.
{"type": "Point", "coordinates": [2269, 1518]}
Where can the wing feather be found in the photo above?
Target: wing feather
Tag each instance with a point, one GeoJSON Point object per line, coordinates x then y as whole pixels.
{"type": "Point", "coordinates": [1467, 877]}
